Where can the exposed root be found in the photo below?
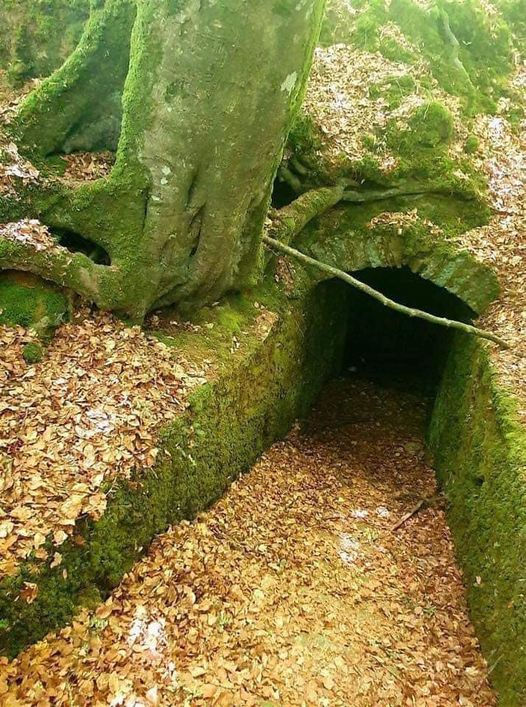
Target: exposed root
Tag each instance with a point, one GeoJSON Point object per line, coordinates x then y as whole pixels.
{"type": "Point", "coordinates": [292, 219]}
{"type": "Point", "coordinates": [29, 247]}
{"type": "Point", "coordinates": [367, 196]}
{"type": "Point", "coordinates": [454, 46]}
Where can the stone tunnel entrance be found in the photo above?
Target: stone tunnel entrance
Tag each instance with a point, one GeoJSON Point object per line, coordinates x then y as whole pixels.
{"type": "Point", "coordinates": [386, 345]}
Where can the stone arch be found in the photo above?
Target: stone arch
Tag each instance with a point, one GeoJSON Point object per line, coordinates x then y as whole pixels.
{"type": "Point", "coordinates": [397, 242]}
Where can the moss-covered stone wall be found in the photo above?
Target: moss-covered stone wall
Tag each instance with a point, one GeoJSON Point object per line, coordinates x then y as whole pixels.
{"type": "Point", "coordinates": [258, 393]}
{"type": "Point", "coordinates": [344, 237]}
{"type": "Point", "coordinates": [480, 453]}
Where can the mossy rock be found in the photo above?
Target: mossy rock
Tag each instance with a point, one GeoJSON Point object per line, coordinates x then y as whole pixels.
{"type": "Point", "coordinates": [471, 145]}
{"type": "Point", "coordinates": [33, 353]}
{"type": "Point", "coordinates": [431, 125]}
{"type": "Point", "coordinates": [28, 301]}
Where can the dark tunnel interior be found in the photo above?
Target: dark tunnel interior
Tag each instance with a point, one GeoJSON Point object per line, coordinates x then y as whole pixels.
{"type": "Point", "coordinates": [387, 345]}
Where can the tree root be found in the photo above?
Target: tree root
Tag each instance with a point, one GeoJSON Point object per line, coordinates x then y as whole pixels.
{"type": "Point", "coordinates": [40, 255]}
{"type": "Point", "coordinates": [368, 196]}
{"type": "Point", "coordinates": [287, 176]}
{"type": "Point", "coordinates": [295, 173]}
{"type": "Point", "coordinates": [386, 301]}
{"type": "Point", "coordinates": [292, 219]}
{"type": "Point", "coordinates": [454, 46]}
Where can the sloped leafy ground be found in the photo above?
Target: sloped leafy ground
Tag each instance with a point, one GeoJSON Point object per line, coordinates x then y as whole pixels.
{"type": "Point", "coordinates": [385, 108]}
{"type": "Point", "coordinates": [502, 243]}
{"type": "Point", "coordinates": [88, 414]}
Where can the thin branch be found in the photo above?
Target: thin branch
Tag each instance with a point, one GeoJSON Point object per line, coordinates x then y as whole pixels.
{"type": "Point", "coordinates": [420, 505]}
{"type": "Point", "coordinates": [409, 311]}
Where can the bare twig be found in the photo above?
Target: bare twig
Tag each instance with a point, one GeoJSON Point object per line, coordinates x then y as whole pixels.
{"type": "Point", "coordinates": [420, 505]}
{"type": "Point", "coordinates": [414, 510]}
{"type": "Point", "coordinates": [375, 294]}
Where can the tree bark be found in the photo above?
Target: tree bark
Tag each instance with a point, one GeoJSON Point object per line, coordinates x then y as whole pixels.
{"type": "Point", "coordinates": [214, 110]}
{"type": "Point", "coordinates": [210, 94]}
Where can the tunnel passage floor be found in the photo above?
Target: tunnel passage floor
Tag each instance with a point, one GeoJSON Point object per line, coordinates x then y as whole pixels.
{"type": "Point", "coordinates": [291, 590]}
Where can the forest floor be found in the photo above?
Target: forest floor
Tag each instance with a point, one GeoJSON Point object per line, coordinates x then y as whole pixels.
{"type": "Point", "coordinates": [88, 414]}
{"type": "Point", "coordinates": [293, 589]}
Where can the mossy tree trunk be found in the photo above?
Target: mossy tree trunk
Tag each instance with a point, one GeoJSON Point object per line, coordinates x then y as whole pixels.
{"type": "Point", "coordinates": [209, 90]}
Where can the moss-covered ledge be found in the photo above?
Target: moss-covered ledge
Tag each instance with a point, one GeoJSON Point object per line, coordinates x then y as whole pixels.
{"type": "Point", "coordinates": [258, 392]}
{"type": "Point", "coordinates": [27, 301]}
{"type": "Point", "coordinates": [354, 238]}
{"type": "Point", "coordinates": [480, 453]}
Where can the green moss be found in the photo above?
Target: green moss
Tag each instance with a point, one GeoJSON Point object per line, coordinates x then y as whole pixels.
{"type": "Point", "coordinates": [22, 66]}
{"type": "Point", "coordinates": [393, 90]}
{"type": "Point", "coordinates": [471, 145]}
{"type": "Point", "coordinates": [477, 70]}
{"type": "Point", "coordinates": [421, 144]}
{"type": "Point", "coordinates": [213, 328]}
{"type": "Point", "coordinates": [304, 135]}
{"type": "Point", "coordinates": [485, 49]}
{"type": "Point", "coordinates": [27, 301]}
{"type": "Point", "coordinates": [344, 237]}
{"type": "Point", "coordinates": [431, 124]}
{"type": "Point", "coordinates": [38, 35]}
{"type": "Point", "coordinates": [33, 353]}
{"type": "Point", "coordinates": [514, 11]}
{"type": "Point", "coordinates": [86, 114]}
{"type": "Point", "coordinates": [394, 51]}
{"type": "Point", "coordinates": [480, 452]}
{"type": "Point", "coordinates": [369, 141]}
{"type": "Point", "coordinates": [259, 391]}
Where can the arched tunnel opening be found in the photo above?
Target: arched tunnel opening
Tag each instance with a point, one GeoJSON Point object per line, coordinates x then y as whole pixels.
{"type": "Point", "coordinates": [385, 345]}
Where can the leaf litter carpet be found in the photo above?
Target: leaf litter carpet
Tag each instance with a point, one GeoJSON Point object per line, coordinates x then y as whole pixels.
{"type": "Point", "coordinates": [293, 589]}
{"type": "Point", "coordinates": [88, 414]}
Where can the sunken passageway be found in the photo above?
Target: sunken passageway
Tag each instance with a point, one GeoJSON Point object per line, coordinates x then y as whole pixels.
{"type": "Point", "coordinates": [294, 588]}
{"type": "Point", "coordinates": [387, 345]}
